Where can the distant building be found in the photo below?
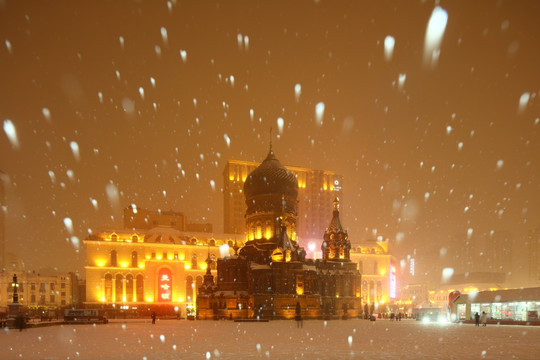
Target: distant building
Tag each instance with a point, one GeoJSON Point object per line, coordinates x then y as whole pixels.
{"type": "Point", "coordinates": [378, 274]}
{"type": "Point", "coordinates": [137, 218]}
{"type": "Point", "coordinates": [270, 276]}
{"type": "Point", "coordinates": [316, 191]}
{"type": "Point", "coordinates": [40, 292]}
{"type": "Point", "coordinates": [522, 305]}
{"type": "Point", "coordinates": [3, 178]}
{"type": "Point", "coordinates": [533, 247]}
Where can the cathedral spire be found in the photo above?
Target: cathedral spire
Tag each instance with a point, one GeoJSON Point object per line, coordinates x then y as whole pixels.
{"type": "Point", "coordinates": [336, 244]}
{"type": "Point", "coordinates": [270, 150]}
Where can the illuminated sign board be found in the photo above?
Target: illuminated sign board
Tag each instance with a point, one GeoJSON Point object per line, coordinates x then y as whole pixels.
{"type": "Point", "coordinates": [165, 285]}
{"type": "Point", "coordinates": [392, 282]}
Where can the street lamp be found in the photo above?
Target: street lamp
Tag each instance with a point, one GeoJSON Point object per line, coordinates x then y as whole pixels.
{"type": "Point", "coordinates": [15, 286]}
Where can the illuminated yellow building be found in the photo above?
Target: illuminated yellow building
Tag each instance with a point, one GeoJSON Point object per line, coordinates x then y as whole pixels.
{"type": "Point", "coordinates": [160, 266]}
{"type": "Point", "coordinates": [317, 190]}
{"type": "Point", "coordinates": [378, 274]}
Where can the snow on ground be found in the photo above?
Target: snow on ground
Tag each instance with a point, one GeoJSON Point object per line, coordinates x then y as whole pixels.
{"type": "Point", "coordinates": [280, 339]}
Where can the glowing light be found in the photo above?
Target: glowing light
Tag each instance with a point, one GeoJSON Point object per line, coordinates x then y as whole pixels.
{"type": "Point", "coordinates": [389, 43]}
{"type": "Point", "coordinates": [280, 124]}
{"type": "Point", "coordinates": [401, 80]}
{"type": "Point", "coordinates": [100, 262]}
{"type": "Point", "coordinates": [46, 114]}
{"type": "Point", "coordinates": [297, 92]}
{"type": "Point", "coordinates": [187, 266]}
{"type": "Point", "coordinates": [523, 101]}
{"type": "Point", "coordinates": [183, 55]}
{"type": "Point", "coordinates": [447, 274]}
{"type": "Point", "coordinates": [434, 34]}
{"type": "Point", "coordinates": [319, 113]}
{"type": "Point", "coordinates": [68, 224]}
{"type": "Point", "coordinates": [149, 299]}
{"type": "Point", "coordinates": [11, 133]}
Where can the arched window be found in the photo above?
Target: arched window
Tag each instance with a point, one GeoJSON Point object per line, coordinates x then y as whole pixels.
{"type": "Point", "coordinates": [134, 238]}
{"type": "Point", "coordinates": [189, 289]}
{"type": "Point", "coordinates": [379, 291]}
{"type": "Point", "coordinates": [258, 231]}
{"type": "Point", "coordinates": [114, 237]}
{"type": "Point", "coordinates": [140, 288]}
{"type": "Point", "coordinates": [213, 264]}
{"type": "Point", "coordinates": [119, 288]}
{"type": "Point", "coordinates": [129, 288]}
{"type": "Point", "coordinates": [108, 288]}
{"type": "Point", "coordinates": [134, 259]}
{"type": "Point", "coordinates": [212, 242]}
{"type": "Point", "coordinates": [194, 261]}
{"type": "Point", "coordinates": [114, 261]}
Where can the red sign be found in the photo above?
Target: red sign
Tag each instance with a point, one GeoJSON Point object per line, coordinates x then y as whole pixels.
{"type": "Point", "coordinates": [165, 285]}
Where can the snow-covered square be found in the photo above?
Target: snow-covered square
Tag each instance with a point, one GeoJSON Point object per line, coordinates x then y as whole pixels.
{"type": "Point", "coordinates": [280, 339]}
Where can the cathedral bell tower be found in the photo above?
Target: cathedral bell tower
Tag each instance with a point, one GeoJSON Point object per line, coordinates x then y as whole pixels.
{"type": "Point", "coordinates": [336, 245]}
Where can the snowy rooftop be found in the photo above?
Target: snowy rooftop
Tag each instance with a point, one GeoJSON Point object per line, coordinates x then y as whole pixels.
{"type": "Point", "coordinates": [527, 294]}
{"type": "Point", "coordinates": [280, 339]}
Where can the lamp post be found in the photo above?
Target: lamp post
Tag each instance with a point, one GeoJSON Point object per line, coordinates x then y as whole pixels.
{"type": "Point", "coordinates": [14, 308]}
{"type": "Point", "coordinates": [15, 286]}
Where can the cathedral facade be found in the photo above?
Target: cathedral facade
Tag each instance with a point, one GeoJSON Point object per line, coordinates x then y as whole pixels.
{"type": "Point", "coordinates": [270, 274]}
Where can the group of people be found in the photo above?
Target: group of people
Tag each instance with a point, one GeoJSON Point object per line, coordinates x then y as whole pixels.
{"type": "Point", "coordinates": [480, 319]}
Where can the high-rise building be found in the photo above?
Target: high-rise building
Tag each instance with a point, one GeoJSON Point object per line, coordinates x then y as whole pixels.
{"type": "Point", "coordinates": [533, 247]}
{"type": "Point", "coordinates": [317, 190]}
{"type": "Point", "coordinates": [2, 221]}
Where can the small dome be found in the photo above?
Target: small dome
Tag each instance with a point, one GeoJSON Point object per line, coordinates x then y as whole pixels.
{"type": "Point", "coordinates": [271, 178]}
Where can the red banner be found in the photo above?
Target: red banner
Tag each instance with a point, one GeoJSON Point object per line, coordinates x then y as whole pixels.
{"type": "Point", "coordinates": [165, 285]}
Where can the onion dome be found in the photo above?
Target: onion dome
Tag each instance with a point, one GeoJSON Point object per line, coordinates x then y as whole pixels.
{"type": "Point", "coordinates": [271, 178]}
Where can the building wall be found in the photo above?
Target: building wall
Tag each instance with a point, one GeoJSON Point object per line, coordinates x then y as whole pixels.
{"type": "Point", "coordinates": [115, 281]}
{"type": "Point", "coordinates": [316, 191]}
{"type": "Point", "coordinates": [374, 264]}
{"type": "Point", "coordinates": [37, 291]}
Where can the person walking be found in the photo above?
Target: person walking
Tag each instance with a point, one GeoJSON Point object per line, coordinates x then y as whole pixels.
{"type": "Point", "coordinates": [483, 318]}
{"type": "Point", "coordinates": [476, 319]}
{"type": "Point", "coordinates": [298, 315]}
{"type": "Point", "coordinates": [153, 317]}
